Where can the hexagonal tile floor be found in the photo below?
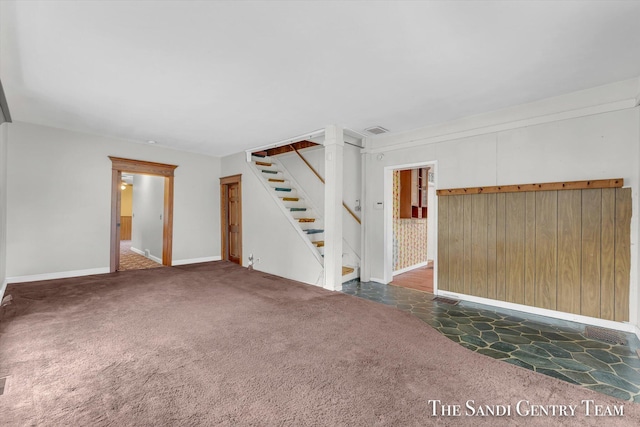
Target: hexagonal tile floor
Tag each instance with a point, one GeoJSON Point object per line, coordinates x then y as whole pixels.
{"type": "Point", "coordinates": [552, 347]}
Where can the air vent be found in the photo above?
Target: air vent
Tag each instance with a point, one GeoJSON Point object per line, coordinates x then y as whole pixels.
{"type": "Point", "coordinates": [446, 300]}
{"type": "Point", "coordinates": [376, 130]}
{"type": "Point", "coordinates": [606, 335]}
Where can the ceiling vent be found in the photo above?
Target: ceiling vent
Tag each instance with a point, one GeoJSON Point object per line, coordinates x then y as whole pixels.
{"type": "Point", "coordinates": [376, 130]}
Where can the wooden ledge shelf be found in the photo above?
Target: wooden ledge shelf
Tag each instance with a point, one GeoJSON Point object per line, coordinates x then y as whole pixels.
{"type": "Point", "coordinates": [547, 186]}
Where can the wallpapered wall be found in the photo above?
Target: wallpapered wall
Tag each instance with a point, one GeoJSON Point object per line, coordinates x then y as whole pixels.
{"type": "Point", "coordinates": [409, 235]}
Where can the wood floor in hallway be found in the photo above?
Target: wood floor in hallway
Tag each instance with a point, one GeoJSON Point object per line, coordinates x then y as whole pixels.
{"type": "Point", "coordinates": [420, 279]}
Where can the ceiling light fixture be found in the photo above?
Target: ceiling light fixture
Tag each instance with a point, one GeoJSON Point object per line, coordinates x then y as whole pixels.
{"type": "Point", "coordinates": [123, 186]}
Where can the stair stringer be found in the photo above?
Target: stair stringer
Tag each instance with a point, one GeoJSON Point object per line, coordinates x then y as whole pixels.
{"type": "Point", "coordinates": [319, 214]}
{"type": "Point", "coordinates": [295, 224]}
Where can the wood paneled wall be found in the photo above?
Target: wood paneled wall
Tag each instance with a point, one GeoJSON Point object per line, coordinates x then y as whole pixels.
{"type": "Point", "coordinates": [125, 228]}
{"type": "Point", "coordinates": [563, 250]}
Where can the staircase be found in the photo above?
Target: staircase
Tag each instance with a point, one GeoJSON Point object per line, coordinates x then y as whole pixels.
{"type": "Point", "coordinates": [305, 216]}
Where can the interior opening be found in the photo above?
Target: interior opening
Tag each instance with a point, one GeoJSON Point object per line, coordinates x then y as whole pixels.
{"type": "Point", "coordinates": [141, 222]}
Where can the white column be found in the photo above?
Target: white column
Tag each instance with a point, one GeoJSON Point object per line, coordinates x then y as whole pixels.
{"type": "Point", "coordinates": [333, 162]}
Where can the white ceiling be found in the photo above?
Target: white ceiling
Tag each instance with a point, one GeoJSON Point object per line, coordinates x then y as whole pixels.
{"type": "Point", "coordinates": [220, 77]}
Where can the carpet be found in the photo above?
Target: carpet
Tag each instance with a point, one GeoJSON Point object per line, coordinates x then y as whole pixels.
{"type": "Point", "coordinates": [217, 344]}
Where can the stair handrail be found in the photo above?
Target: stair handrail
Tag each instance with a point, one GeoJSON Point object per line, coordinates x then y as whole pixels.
{"type": "Point", "coordinates": [315, 172]}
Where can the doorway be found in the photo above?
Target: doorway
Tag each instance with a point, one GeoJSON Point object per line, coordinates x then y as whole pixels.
{"type": "Point", "coordinates": [231, 218]}
{"type": "Point", "coordinates": [410, 226]}
{"type": "Point", "coordinates": [120, 165]}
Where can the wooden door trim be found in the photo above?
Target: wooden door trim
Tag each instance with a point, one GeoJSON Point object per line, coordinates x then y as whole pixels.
{"type": "Point", "coordinates": [119, 165]}
{"type": "Point", "coordinates": [224, 226]}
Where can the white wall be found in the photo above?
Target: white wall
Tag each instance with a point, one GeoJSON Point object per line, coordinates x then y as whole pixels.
{"type": "Point", "coordinates": [266, 232]}
{"type": "Point", "coordinates": [59, 198]}
{"type": "Point", "coordinates": [593, 142]}
{"type": "Point", "coordinates": [352, 184]}
{"type": "Point", "coordinates": [3, 204]}
{"type": "Point", "coordinates": [148, 209]}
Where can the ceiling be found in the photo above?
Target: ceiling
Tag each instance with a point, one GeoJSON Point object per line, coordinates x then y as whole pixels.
{"type": "Point", "coordinates": [220, 77]}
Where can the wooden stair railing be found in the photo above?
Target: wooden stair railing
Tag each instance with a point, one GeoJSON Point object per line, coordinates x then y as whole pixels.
{"type": "Point", "coordinates": [322, 180]}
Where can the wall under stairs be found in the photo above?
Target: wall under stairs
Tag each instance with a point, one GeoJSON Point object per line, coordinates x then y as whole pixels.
{"type": "Point", "coordinates": [267, 233]}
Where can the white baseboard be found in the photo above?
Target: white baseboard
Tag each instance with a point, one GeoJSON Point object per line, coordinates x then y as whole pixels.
{"type": "Point", "coordinates": [411, 267]}
{"type": "Point", "coordinates": [136, 250]}
{"type": "Point", "coordinates": [610, 324]}
{"type": "Point", "coordinates": [637, 331]}
{"type": "Point", "coordinates": [151, 257]}
{"type": "Point", "coordinates": [196, 260]}
{"type": "Point", "coordinates": [3, 288]}
{"type": "Point", "coordinates": [58, 275]}
{"type": "Point", "coordinates": [375, 279]}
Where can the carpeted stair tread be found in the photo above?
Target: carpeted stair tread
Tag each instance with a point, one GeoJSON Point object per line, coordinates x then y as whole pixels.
{"type": "Point", "coordinates": [314, 231]}
{"type": "Point", "coordinates": [282, 189]}
{"type": "Point", "coordinates": [298, 209]}
{"type": "Point", "coordinates": [275, 180]}
{"type": "Point", "coordinates": [268, 171]}
{"type": "Point", "coordinates": [264, 164]}
{"type": "Point", "coordinates": [306, 219]}
{"type": "Point", "coordinates": [319, 243]}
{"type": "Point", "coordinates": [259, 154]}
{"type": "Point", "coordinates": [290, 199]}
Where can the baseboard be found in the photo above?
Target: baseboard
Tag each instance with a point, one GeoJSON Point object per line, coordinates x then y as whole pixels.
{"type": "Point", "coordinates": [411, 267]}
{"type": "Point", "coordinates": [610, 324]}
{"type": "Point", "coordinates": [196, 260]}
{"type": "Point", "coordinates": [151, 257]}
{"type": "Point", "coordinates": [637, 331]}
{"type": "Point", "coordinates": [375, 279]}
{"type": "Point", "coordinates": [3, 288]}
{"type": "Point", "coordinates": [58, 275]}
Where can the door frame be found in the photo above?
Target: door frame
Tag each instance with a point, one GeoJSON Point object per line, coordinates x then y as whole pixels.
{"type": "Point", "coordinates": [224, 226]}
{"type": "Point", "coordinates": [388, 219]}
{"type": "Point", "coordinates": [120, 165]}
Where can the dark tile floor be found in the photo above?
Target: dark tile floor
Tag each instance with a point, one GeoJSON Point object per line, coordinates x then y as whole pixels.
{"type": "Point", "coordinates": [552, 347]}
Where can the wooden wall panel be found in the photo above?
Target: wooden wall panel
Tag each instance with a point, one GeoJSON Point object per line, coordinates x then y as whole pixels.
{"type": "Point", "coordinates": [530, 249]}
{"type": "Point", "coordinates": [569, 251]}
{"type": "Point", "coordinates": [591, 229]}
{"type": "Point", "coordinates": [125, 228]}
{"type": "Point", "coordinates": [456, 248]}
{"type": "Point", "coordinates": [500, 247]}
{"type": "Point", "coordinates": [566, 250]}
{"type": "Point", "coordinates": [622, 253]}
{"type": "Point", "coordinates": [491, 245]}
{"type": "Point", "coordinates": [466, 264]}
{"type": "Point", "coordinates": [479, 251]}
{"type": "Point", "coordinates": [607, 254]}
{"type": "Point", "coordinates": [515, 205]}
{"type": "Point", "coordinates": [443, 244]}
{"type": "Point", "coordinates": [546, 249]}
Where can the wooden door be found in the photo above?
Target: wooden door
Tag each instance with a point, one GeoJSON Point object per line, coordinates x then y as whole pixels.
{"type": "Point", "coordinates": [231, 218]}
{"type": "Point", "coordinates": [234, 220]}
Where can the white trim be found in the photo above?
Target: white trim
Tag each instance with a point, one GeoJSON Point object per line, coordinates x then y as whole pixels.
{"type": "Point", "coordinates": [151, 257]}
{"type": "Point", "coordinates": [637, 331]}
{"type": "Point", "coordinates": [58, 275]}
{"type": "Point", "coordinates": [388, 219]}
{"type": "Point", "coordinates": [136, 250]}
{"type": "Point", "coordinates": [416, 139]}
{"type": "Point", "coordinates": [411, 267]}
{"type": "Point", "coordinates": [3, 288]}
{"type": "Point", "coordinates": [610, 324]}
{"type": "Point", "coordinates": [197, 260]}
